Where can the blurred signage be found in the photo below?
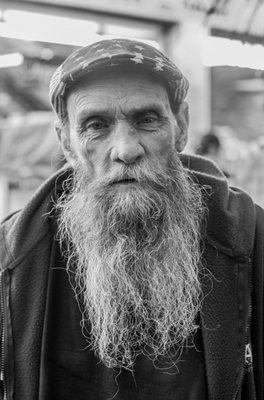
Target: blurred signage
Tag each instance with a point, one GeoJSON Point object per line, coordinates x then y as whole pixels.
{"type": "Point", "coordinates": [161, 10]}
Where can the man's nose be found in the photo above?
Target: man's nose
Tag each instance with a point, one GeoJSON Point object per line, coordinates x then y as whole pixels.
{"type": "Point", "coordinates": [126, 146]}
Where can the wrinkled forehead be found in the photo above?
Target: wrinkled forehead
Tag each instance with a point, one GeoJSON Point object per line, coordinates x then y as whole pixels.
{"type": "Point", "coordinates": [122, 86]}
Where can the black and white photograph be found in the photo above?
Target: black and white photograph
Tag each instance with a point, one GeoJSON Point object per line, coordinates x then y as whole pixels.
{"type": "Point", "coordinates": [132, 199]}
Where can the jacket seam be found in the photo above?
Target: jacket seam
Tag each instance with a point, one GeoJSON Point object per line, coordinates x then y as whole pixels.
{"type": "Point", "coordinates": [226, 250]}
{"type": "Point", "coordinates": [10, 256]}
{"type": "Point", "coordinates": [15, 262]}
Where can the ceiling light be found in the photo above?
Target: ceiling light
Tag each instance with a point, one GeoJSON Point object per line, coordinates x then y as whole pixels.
{"type": "Point", "coordinates": [48, 28]}
{"type": "Point", "coordinates": [220, 51]}
{"type": "Point", "coordinates": [11, 60]}
{"type": "Point", "coordinates": [152, 43]}
{"type": "Point", "coordinates": [125, 31]}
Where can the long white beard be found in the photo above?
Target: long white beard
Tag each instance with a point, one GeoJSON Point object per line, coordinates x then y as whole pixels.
{"type": "Point", "coordinates": [136, 258]}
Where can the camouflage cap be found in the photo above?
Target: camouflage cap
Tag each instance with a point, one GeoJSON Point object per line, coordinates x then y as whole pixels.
{"type": "Point", "coordinates": [107, 54]}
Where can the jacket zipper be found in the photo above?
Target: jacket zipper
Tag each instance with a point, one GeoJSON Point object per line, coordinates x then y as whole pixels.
{"type": "Point", "coordinates": [248, 360]}
{"type": "Point", "coordinates": [248, 357]}
{"type": "Point", "coordinates": [2, 365]}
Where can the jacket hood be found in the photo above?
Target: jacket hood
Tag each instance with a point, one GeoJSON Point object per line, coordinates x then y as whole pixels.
{"type": "Point", "coordinates": [230, 220]}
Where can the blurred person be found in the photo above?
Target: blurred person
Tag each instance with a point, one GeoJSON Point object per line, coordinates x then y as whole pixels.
{"type": "Point", "coordinates": [210, 147]}
{"type": "Point", "coordinates": [135, 272]}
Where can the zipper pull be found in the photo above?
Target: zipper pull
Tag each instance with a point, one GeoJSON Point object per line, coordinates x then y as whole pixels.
{"type": "Point", "coordinates": [248, 356]}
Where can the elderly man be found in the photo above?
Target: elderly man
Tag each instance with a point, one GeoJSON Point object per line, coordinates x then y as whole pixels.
{"type": "Point", "coordinates": [135, 272]}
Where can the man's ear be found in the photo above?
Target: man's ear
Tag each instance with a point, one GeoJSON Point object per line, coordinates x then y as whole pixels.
{"type": "Point", "coordinates": [182, 118]}
{"type": "Point", "coordinates": [63, 134]}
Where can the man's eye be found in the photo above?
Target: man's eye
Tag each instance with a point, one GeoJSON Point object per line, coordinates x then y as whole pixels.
{"type": "Point", "coordinates": [96, 125]}
{"type": "Point", "coordinates": [148, 122]}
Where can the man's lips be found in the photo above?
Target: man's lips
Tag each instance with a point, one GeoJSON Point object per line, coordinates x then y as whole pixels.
{"type": "Point", "coordinates": [125, 181]}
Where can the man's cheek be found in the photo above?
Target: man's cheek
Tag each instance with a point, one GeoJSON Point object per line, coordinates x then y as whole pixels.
{"type": "Point", "coordinates": [85, 153]}
{"type": "Point", "coordinates": [84, 160]}
{"type": "Point", "coordinates": [162, 146]}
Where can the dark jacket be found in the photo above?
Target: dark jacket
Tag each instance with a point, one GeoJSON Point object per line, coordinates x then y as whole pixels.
{"type": "Point", "coordinates": [232, 313]}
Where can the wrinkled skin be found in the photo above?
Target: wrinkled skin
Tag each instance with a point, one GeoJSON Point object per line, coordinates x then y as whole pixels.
{"type": "Point", "coordinates": [121, 119]}
{"type": "Point", "coordinates": [131, 220]}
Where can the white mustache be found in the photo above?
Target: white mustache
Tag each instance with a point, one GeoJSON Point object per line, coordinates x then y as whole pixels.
{"type": "Point", "coordinates": [141, 173]}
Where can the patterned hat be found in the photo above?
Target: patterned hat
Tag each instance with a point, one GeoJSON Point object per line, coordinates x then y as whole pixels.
{"type": "Point", "coordinates": [114, 53]}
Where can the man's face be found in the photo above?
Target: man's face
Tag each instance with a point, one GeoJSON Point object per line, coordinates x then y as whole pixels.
{"type": "Point", "coordinates": [129, 217]}
{"type": "Point", "coordinates": [118, 121]}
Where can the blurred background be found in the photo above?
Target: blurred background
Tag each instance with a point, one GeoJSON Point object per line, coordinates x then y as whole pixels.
{"type": "Point", "coordinates": [218, 44]}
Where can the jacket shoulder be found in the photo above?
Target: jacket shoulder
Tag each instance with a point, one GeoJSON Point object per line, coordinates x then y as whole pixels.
{"type": "Point", "coordinates": [260, 218]}
{"type": "Point", "coordinates": [6, 225]}
{"type": "Point", "coordinates": [231, 216]}
{"type": "Point", "coordinates": [21, 231]}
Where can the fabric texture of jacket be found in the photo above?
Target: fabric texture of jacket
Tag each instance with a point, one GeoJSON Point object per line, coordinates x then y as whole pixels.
{"type": "Point", "coordinates": [232, 311]}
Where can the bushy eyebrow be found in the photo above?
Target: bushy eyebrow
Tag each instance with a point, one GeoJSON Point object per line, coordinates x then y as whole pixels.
{"type": "Point", "coordinates": [138, 111]}
{"type": "Point", "coordinates": [132, 112]}
{"type": "Point", "coordinates": [92, 112]}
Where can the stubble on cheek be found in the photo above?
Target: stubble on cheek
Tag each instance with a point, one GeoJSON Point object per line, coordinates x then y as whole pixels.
{"type": "Point", "coordinates": [85, 160]}
{"type": "Point", "coordinates": [163, 147]}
